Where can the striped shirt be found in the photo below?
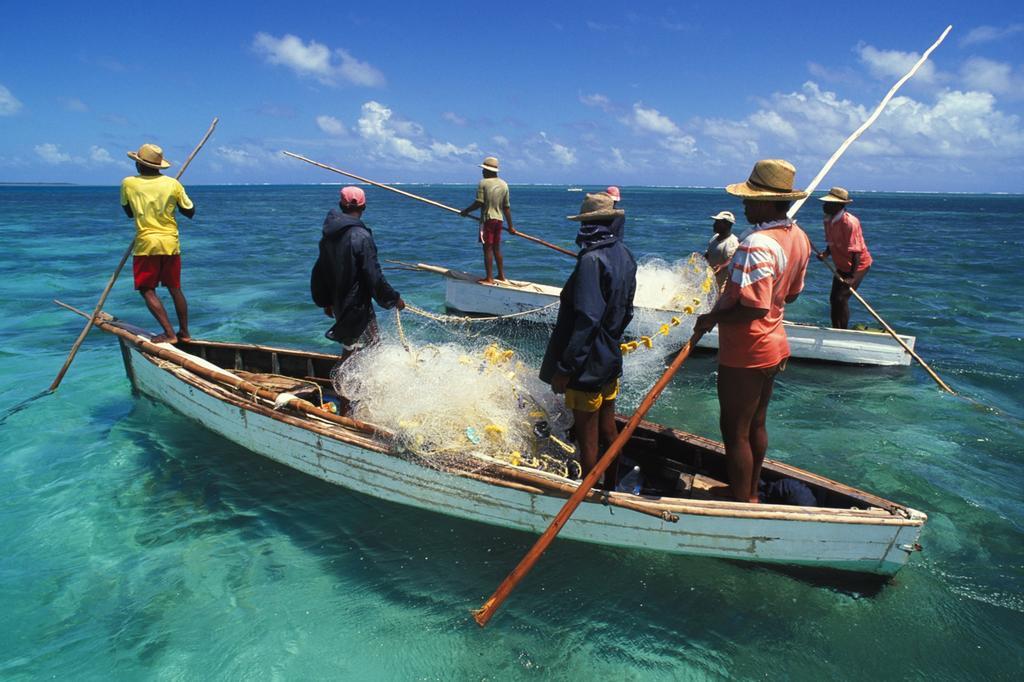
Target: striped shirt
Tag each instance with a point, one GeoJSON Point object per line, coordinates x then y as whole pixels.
{"type": "Point", "coordinates": [768, 267]}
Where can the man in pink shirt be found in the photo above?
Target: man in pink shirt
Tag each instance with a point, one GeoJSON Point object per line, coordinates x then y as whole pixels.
{"type": "Point", "coordinates": [766, 272]}
{"type": "Point", "coordinates": [845, 243]}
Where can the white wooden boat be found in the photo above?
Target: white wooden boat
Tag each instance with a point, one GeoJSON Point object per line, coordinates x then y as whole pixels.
{"type": "Point", "coordinates": [463, 293]}
{"type": "Point", "coordinates": [854, 532]}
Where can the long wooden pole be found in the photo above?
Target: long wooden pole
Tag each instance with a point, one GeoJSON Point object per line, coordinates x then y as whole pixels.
{"type": "Point", "coordinates": [423, 199]}
{"type": "Point", "coordinates": [117, 271]}
{"type": "Point", "coordinates": [828, 166]}
{"type": "Point", "coordinates": [886, 327]}
{"type": "Point", "coordinates": [229, 379]}
{"type": "Point", "coordinates": [483, 615]}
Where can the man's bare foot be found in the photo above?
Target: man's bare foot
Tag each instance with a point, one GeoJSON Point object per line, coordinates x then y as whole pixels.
{"type": "Point", "coordinates": [165, 338]}
{"type": "Point", "coordinates": [184, 336]}
{"type": "Point", "coordinates": [486, 280]}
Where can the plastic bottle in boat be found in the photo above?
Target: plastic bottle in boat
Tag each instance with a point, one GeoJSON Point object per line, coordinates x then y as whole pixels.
{"type": "Point", "coordinates": [631, 482]}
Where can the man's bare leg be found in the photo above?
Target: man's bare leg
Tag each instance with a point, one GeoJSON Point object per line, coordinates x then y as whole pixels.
{"type": "Point", "coordinates": [739, 394]}
{"type": "Point", "coordinates": [157, 309]}
{"type": "Point", "coordinates": [181, 308]}
{"type": "Point", "coordinates": [500, 261]}
{"type": "Point", "coordinates": [608, 431]}
{"type": "Point", "coordinates": [488, 264]}
{"type": "Point", "coordinates": [759, 434]}
{"type": "Point", "coordinates": [586, 438]}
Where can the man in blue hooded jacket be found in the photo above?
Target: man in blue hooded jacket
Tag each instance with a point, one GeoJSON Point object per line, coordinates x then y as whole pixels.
{"type": "Point", "coordinates": [347, 275]}
{"type": "Point", "coordinates": [583, 358]}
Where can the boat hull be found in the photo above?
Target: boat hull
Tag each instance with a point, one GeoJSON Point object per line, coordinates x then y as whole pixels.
{"type": "Point", "coordinates": [788, 535]}
{"type": "Point", "coordinates": [806, 342]}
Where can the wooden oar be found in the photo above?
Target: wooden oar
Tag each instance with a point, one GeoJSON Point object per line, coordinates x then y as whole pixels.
{"type": "Point", "coordinates": [484, 614]}
{"type": "Point", "coordinates": [117, 271]}
{"type": "Point", "coordinates": [423, 199]}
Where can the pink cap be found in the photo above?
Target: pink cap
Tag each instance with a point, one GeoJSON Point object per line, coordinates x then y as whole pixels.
{"type": "Point", "coordinates": [353, 196]}
{"type": "Point", "coordinates": [613, 192]}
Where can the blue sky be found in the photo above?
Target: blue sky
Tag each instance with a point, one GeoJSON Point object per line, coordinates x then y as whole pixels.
{"type": "Point", "coordinates": [574, 93]}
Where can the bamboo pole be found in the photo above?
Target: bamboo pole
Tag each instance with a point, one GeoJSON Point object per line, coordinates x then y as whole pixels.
{"type": "Point", "coordinates": [117, 271]}
{"type": "Point", "coordinates": [828, 166]}
{"type": "Point", "coordinates": [483, 615]}
{"type": "Point", "coordinates": [423, 199]}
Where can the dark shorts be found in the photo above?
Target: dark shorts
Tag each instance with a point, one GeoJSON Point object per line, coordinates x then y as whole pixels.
{"type": "Point", "coordinates": [152, 271]}
{"type": "Point", "coordinates": [490, 232]}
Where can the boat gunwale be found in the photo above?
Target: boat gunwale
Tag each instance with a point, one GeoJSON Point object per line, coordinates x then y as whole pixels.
{"type": "Point", "coordinates": [888, 513]}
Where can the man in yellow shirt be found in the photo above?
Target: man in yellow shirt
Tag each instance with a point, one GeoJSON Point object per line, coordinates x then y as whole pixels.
{"type": "Point", "coordinates": [151, 198]}
{"type": "Point", "coordinates": [492, 200]}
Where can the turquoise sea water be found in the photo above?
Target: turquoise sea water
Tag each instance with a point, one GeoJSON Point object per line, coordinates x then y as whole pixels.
{"type": "Point", "coordinates": [139, 546]}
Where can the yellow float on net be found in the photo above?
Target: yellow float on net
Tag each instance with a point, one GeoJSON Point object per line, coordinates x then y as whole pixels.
{"type": "Point", "coordinates": [515, 458]}
{"type": "Point", "coordinates": [688, 309]}
{"type": "Point", "coordinates": [646, 340]}
{"type": "Point", "coordinates": [664, 329]}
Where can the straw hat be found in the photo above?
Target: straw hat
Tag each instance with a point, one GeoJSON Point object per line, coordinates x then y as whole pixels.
{"type": "Point", "coordinates": [597, 206]}
{"type": "Point", "coordinates": [837, 195]}
{"type": "Point", "coordinates": [150, 155]}
{"type": "Point", "coordinates": [490, 163]}
{"type": "Point", "coordinates": [771, 180]}
{"type": "Point", "coordinates": [725, 215]}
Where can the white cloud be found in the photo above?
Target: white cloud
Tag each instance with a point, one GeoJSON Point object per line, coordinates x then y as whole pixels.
{"type": "Point", "coordinates": [653, 121]}
{"type": "Point", "coordinates": [650, 120]}
{"type": "Point", "coordinates": [986, 75]}
{"type": "Point", "coordinates": [892, 64]}
{"type": "Point", "coordinates": [813, 122]}
{"type": "Point", "coordinates": [988, 34]}
{"type": "Point", "coordinates": [357, 72]}
{"type": "Point", "coordinates": [100, 155]}
{"type": "Point", "coordinates": [562, 155]}
{"type": "Point", "coordinates": [376, 126]}
{"type": "Point", "coordinates": [316, 60]}
{"type": "Point", "coordinates": [500, 140]}
{"type": "Point", "coordinates": [617, 161]}
{"type": "Point", "coordinates": [597, 100]}
{"type": "Point", "coordinates": [447, 150]}
{"type": "Point", "coordinates": [9, 104]}
{"type": "Point", "coordinates": [452, 117]}
{"type": "Point", "coordinates": [51, 153]}
{"type": "Point", "coordinates": [331, 125]}
{"type": "Point", "coordinates": [236, 156]}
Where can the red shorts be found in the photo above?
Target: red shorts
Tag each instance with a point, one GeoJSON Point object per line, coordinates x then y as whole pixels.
{"type": "Point", "coordinates": [152, 271]}
{"type": "Point", "coordinates": [490, 232]}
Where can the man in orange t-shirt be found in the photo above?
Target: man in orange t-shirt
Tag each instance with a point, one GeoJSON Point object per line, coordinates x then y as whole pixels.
{"type": "Point", "coordinates": [848, 250]}
{"type": "Point", "coordinates": [766, 272]}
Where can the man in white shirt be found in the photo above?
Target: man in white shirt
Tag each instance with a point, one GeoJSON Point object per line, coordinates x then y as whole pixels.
{"type": "Point", "coordinates": [722, 246]}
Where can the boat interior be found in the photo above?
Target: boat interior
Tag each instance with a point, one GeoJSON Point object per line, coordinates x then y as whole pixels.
{"type": "Point", "coordinates": [673, 464]}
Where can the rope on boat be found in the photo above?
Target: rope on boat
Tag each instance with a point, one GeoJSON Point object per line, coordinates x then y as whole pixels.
{"type": "Point", "coordinates": [463, 319]}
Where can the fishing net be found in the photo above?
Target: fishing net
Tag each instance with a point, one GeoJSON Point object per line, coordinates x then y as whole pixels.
{"type": "Point", "coordinates": [460, 404]}
{"type": "Point", "coordinates": [461, 393]}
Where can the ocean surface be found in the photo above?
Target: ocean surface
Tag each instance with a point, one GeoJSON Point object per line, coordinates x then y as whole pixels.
{"type": "Point", "coordinates": [137, 545]}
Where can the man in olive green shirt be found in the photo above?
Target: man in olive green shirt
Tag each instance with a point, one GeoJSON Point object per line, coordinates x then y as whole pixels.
{"type": "Point", "coordinates": [492, 200]}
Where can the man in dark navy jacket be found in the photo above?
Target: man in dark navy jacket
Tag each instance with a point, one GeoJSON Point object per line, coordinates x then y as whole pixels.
{"type": "Point", "coordinates": [583, 357]}
{"type": "Point", "coordinates": [347, 275]}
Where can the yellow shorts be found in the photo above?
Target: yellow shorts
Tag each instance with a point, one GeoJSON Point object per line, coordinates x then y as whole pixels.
{"type": "Point", "coordinates": [590, 401]}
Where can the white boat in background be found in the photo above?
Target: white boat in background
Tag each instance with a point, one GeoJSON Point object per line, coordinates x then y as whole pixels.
{"type": "Point", "coordinates": [574, 189]}
{"type": "Point", "coordinates": [251, 395]}
{"type": "Point", "coordinates": [539, 303]}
